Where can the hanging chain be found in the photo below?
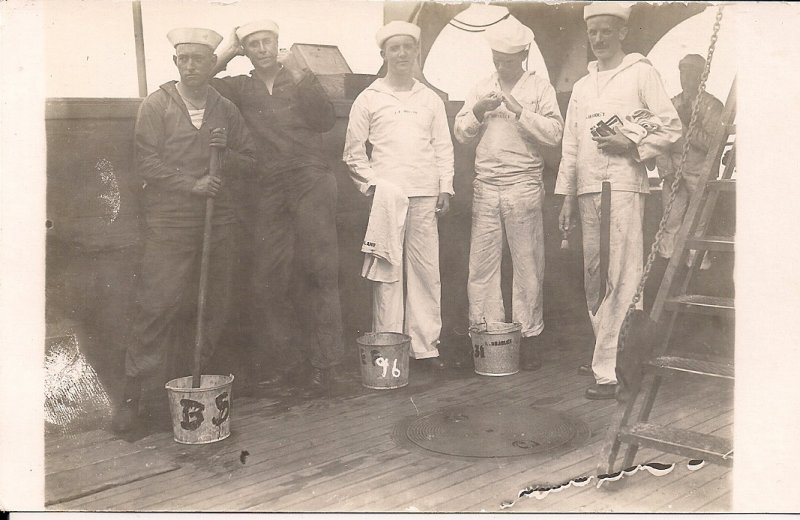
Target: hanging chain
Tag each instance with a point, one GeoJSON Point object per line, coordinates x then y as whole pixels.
{"type": "Point", "coordinates": [675, 182]}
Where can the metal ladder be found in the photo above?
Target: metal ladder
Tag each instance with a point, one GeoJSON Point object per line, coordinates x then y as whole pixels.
{"type": "Point", "coordinates": [671, 301]}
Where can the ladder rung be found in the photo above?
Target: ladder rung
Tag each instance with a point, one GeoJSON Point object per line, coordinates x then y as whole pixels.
{"type": "Point", "coordinates": [712, 243]}
{"type": "Point", "coordinates": [722, 184]}
{"type": "Point", "coordinates": [700, 304]}
{"type": "Point", "coordinates": [687, 443]}
{"type": "Point", "coordinates": [700, 367]}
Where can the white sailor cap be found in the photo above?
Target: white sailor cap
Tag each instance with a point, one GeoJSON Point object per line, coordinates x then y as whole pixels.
{"type": "Point", "coordinates": [607, 8]}
{"type": "Point", "coordinates": [253, 27]}
{"type": "Point", "coordinates": [508, 36]}
{"type": "Point", "coordinates": [397, 28]}
{"type": "Point", "coordinates": [194, 35]}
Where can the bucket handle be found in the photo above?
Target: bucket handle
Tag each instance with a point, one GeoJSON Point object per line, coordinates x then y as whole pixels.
{"type": "Point", "coordinates": [475, 328]}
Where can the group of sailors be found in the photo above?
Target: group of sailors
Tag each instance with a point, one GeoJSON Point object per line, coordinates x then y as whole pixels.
{"type": "Point", "coordinates": [274, 221]}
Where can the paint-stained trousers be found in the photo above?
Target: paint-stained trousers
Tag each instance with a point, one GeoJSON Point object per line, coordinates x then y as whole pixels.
{"type": "Point", "coordinates": [166, 302]}
{"type": "Point", "coordinates": [419, 313]}
{"type": "Point", "coordinates": [624, 271]}
{"type": "Point", "coordinates": [515, 212]}
{"type": "Point", "coordinates": [296, 312]}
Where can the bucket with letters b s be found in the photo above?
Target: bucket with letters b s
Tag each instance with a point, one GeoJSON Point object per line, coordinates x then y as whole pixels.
{"type": "Point", "coordinates": [384, 359]}
{"type": "Point", "coordinates": [495, 348]}
{"type": "Point", "coordinates": [200, 415]}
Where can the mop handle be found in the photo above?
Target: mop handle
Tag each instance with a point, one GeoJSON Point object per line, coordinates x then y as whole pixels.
{"type": "Point", "coordinates": [204, 261]}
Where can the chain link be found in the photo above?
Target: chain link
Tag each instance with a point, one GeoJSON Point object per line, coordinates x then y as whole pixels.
{"type": "Point", "coordinates": [675, 182]}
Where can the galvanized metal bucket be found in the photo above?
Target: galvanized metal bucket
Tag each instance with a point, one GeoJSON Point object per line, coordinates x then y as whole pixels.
{"type": "Point", "coordinates": [384, 359]}
{"type": "Point", "coordinates": [495, 348]}
{"type": "Point", "coordinates": [200, 415]}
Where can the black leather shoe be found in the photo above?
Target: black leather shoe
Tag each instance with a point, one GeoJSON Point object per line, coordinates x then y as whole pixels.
{"type": "Point", "coordinates": [530, 352]}
{"type": "Point", "coordinates": [433, 363]}
{"type": "Point", "coordinates": [585, 370]}
{"type": "Point", "coordinates": [126, 416]}
{"type": "Point", "coordinates": [607, 391]}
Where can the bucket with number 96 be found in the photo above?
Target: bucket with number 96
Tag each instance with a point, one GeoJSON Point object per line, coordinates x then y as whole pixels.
{"type": "Point", "coordinates": [384, 359]}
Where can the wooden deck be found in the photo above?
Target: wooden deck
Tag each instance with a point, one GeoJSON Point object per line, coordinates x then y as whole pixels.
{"type": "Point", "coordinates": [348, 452]}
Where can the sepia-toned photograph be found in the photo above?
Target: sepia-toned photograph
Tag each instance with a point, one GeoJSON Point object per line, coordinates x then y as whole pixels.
{"type": "Point", "coordinates": [408, 257]}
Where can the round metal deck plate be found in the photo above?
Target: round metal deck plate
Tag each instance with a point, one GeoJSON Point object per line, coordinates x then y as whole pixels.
{"type": "Point", "coordinates": [483, 431]}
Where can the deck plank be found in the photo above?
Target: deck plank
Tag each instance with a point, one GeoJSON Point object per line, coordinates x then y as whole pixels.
{"type": "Point", "coordinates": [521, 403]}
{"type": "Point", "coordinates": [585, 465]}
{"type": "Point", "coordinates": [633, 495]}
{"type": "Point", "coordinates": [498, 386]}
{"type": "Point", "coordinates": [60, 444]}
{"type": "Point", "coordinates": [342, 453]}
{"type": "Point", "coordinates": [87, 479]}
{"type": "Point", "coordinates": [553, 473]}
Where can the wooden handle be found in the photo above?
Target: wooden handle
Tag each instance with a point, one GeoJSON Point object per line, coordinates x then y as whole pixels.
{"type": "Point", "coordinates": [204, 261]}
{"type": "Point", "coordinates": [605, 242]}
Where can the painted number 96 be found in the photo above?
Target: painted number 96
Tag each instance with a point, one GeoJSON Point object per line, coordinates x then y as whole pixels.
{"type": "Point", "coordinates": [384, 363]}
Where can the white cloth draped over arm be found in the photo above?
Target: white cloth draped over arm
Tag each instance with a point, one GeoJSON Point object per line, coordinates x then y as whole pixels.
{"type": "Point", "coordinates": [654, 97]}
{"type": "Point", "coordinates": [355, 150]}
{"type": "Point", "coordinates": [383, 240]}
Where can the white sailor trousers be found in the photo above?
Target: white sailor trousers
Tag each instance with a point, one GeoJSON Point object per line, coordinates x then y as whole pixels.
{"type": "Point", "coordinates": [624, 272]}
{"type": "Point", "coordinates": [419, 314]}
{"type": "Point", "coordinates": [513, 213]}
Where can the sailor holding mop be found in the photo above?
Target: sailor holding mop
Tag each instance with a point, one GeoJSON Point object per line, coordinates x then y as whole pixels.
{"type": "Point", "coordinates": [176, 128]}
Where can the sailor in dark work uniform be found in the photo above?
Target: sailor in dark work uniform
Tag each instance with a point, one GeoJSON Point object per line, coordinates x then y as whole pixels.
{"type": "Point", "coordinates": [292, 214]}
{"type": "Point", "coordinates": [175, 130]}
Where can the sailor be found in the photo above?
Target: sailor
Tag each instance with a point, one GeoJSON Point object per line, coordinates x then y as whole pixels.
{"type": "Point", "coordinates": [709, 112]}
{"type": "Point", "coordinates": [175, 130]}
{"type": "Point", "coordinates": [512, 115]}
{"type": "Point", "coordinates": [646, 125]}
{"type": "Point", "coordinates": [295, 255]}
{"type": "Point", "coordinates": [412, 150]}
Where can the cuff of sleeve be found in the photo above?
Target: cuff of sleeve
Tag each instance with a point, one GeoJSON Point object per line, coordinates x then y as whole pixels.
{"type": "Point", "coordinates": [473, 125]}
{"type": "Point", "coordinates": [364, 187]}
{"type": "Point", "coordinates": [446, 186]}
{"type": "Point", "coordinates": [306, 79]}
{"type": "Point", "coordinates": [569, 191]}
{"type": "Point", "coordinates": [528, 117]}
